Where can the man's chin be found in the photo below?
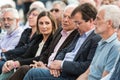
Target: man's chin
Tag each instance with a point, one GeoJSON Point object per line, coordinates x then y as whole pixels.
{"type": "Point", "coordinates": [96, 32]}
{"type": "Point", "coordinates": [9, 31]}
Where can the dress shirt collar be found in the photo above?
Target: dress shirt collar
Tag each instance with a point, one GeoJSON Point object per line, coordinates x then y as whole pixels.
{"type": "Point", "coordinates": [15, 31]}
{"type": "Point", "coordinates": [88, 33]}
{"type": "Point", "coordinates": [66, 33]}
{"type": "Point", "coordinates": [110, 39]}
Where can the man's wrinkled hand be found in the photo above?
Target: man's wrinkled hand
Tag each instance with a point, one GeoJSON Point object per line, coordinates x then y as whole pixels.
{"type": "Point", "coordinates": [38, 64]}
{"type": "Point", "coordinates": [8, 66]}
{"type": "Point", "coordinates": [55, 73]}
{"type": "Point", "coordinates": [56, 64]}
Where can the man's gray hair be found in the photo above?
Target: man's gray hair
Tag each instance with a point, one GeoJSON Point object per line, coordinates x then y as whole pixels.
{"type": "Point", "coordinates": [61, 3]}
{"type": "Point", "coordinates": [37, 4]}
{"type": "Point", "coordinates": [112, 12]}
{"type": "Point", "coordinates": [71, 6]}
{"type": "Point", "coordinates": [13, 11]}
{"type": "Point", "coordinates": [88, 1]}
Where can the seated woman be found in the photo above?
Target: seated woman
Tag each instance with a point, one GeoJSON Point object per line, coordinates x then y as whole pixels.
{"type": "Point", "coordinates": [46, 27]}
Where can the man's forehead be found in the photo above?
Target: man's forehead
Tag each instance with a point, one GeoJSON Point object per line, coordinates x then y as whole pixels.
{"type": "Point", "coordinates": [68, 10]}
{"type": "Point", "coordinates": [101, 13]}
{"type": "Point", "coordinates": [8, 14]}
{"type": "Point", "coordinates": [56, 6]}
{"type": "Point", "coordinates": [78, 15]}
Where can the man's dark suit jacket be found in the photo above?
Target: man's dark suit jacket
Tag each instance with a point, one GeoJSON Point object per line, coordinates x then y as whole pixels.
{"type": "Point", "coordinates": [45, 55]}
{"type": "Point", "coordinates": [83, 58]}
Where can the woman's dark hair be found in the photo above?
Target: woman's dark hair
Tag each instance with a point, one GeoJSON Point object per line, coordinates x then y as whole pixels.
{"type": "Point", "coordinates": [87, 10]}
{"type": "Point", "coordinates": [46, 13]}
{"type": "Point", "coordinates": [119, 27]}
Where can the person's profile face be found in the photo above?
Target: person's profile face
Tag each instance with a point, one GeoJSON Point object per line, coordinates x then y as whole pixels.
{"type": "Point", "coordinates": [101, 25]}
{"type": "Point", "coordinates": [67, 23]}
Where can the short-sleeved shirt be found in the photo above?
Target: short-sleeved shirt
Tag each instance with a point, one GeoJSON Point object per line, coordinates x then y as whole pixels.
{"type": "Point", "coordinates": [105, 56]}
{"type": "Point", "coordinates": [107, 77]}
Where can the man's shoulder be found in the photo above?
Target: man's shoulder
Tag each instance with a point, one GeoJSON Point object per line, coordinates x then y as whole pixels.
{"type": "Point", "coordinates": [17, 32]}
{"type": "Point", "coordinates": [116, 43]}
{"type": "Point", "coordinates": [95, 36]}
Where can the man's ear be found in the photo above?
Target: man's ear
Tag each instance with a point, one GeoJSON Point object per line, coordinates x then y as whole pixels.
{"type": "Point", "coordinates": [109, 22]}
{"type": "Point", "coordinates": [17, 21]}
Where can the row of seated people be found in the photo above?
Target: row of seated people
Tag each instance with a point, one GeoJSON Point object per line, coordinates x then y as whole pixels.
{"type": "Point", "coordinates": [44, 18]}
{"type": "Point", "coordinates": [70, 52]}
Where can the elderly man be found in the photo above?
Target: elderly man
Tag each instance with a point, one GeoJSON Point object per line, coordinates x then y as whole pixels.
{"type": "Point", "coordinates": [107, 21]}
{"type": "Point", "coordinates": [114, 74]}
{"type": "Point", "coordinates": [75, 59]}
{"type": "Point", "coordinates": [10, 20]}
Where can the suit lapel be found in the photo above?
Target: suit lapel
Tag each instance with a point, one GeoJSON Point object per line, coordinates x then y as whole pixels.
{"type": "Point", "coordinates": [83, 45]}
{"type": "Point", "coordinates": [56, 40]}
{"type": "Point", "coordinates": [68, 40]}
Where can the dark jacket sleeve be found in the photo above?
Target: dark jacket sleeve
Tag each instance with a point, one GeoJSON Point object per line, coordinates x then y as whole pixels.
{"type": "Point", "coordinates": [29, 60]}
{"type": "Point", "coordinates": [11, 54]}
{"type": "Point", "coordinates": [61, 54]}
{"type": "Point", "coordinates": [24, 38]}
{"type": "Point", "coordinates": [31, 51]}
{"type": "Point", "coordinates": [21, 47]}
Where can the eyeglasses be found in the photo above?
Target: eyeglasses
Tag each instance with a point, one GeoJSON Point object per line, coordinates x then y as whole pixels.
{"type": "Point", "coordinates": [56, 10]}
{"type": "Point", "coordinates": [32, 14]}
{"type": "Point", "coordinates": [7, 19]}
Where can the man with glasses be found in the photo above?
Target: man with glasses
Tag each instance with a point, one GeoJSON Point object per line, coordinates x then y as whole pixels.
{"type": "Point", "coordinates": [10, 20]}
{"type": "Point", "coordinates": [57, 11]}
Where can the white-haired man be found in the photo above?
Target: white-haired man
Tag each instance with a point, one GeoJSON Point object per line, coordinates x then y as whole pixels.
{"type": "Point", "coordinates": [10, 20]}
{"type": "Point", "coordinates": [115, 72]}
